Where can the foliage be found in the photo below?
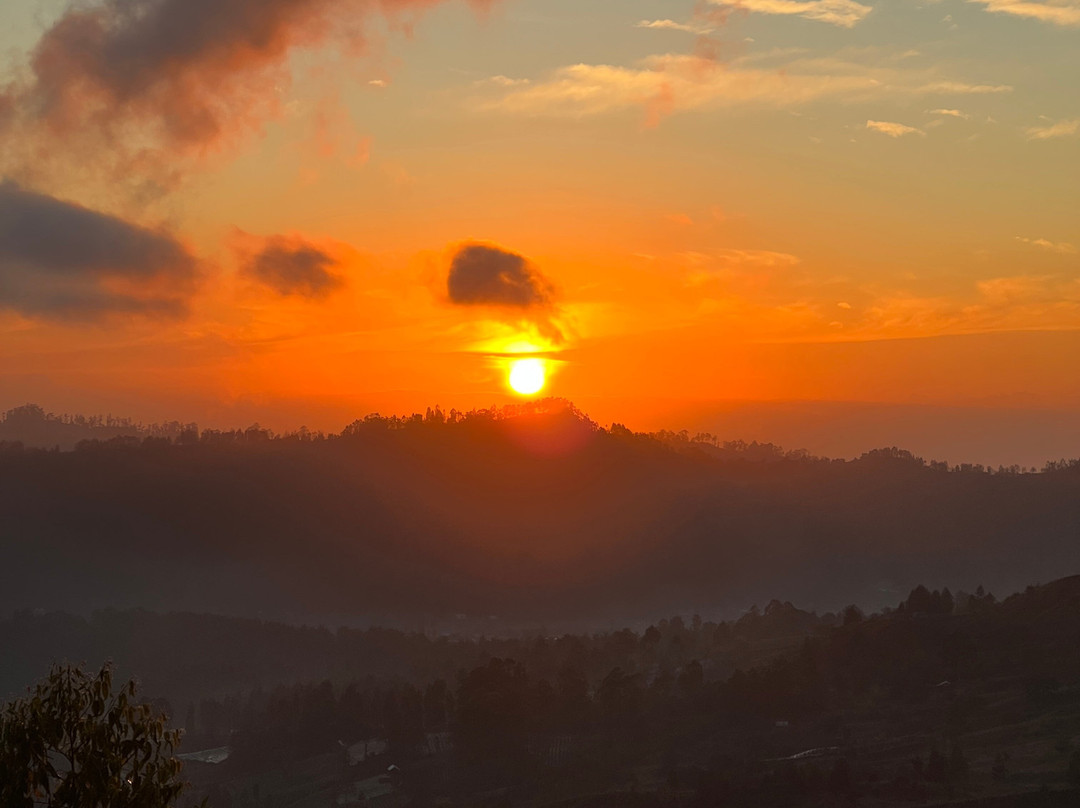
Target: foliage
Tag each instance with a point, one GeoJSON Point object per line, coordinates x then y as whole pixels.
{"type": "Point", "coordinates": [73, 742]}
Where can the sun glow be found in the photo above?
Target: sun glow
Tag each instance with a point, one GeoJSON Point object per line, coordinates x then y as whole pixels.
{"type": "Point", "coordinates": [527, 376]}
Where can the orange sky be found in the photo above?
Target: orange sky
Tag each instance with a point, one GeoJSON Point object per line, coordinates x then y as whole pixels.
{"type": "Point", "coordinates": [685, 204]}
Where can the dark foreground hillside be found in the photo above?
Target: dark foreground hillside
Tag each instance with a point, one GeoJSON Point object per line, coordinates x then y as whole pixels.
{"type": "Point", "coordinates": [945, 699]}
{"type": "Point", "coordinates": [957, 700]}
{"type": "Point", "coordinates": [530, 515]}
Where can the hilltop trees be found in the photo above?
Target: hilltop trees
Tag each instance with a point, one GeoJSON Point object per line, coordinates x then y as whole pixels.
{"type": "Point", "coordinates": [437, 514]}
{"type": "Point", "coordinates": [74, 742]}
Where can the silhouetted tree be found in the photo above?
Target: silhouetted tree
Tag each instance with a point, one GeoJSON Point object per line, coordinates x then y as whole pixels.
{"type": "Point", "coordinates": [573, 688]}
{"type": "Point", "coordinates": [73, 742]}
{"type": "Point", "coordinates": [493, 708]}
{"type": "Point", "coordinates": [853, 614]}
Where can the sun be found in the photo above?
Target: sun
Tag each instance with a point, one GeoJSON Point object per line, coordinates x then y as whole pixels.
{"type": "Point", "coordinates": [527, 376]}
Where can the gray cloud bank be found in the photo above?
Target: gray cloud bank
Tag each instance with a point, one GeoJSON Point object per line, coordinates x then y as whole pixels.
{"type": "Point", "coordinates": [61, 260]}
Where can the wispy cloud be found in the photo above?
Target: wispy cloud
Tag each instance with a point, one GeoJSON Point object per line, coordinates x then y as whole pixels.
{"type": "Point", "coordinates": [757, 259]}
{"type": "Point", "coordinates": [845, 13]}
{"type": "Point", "coordinates": [893, 129]}
{"type": "Point", "coordinates": [742, 271]}
{"type": "Point", "coordinates": [671, 25]}
{"type": "Point", "coordinates": [963, 88]}
{"type": "Point", "coordinates": [950, 113]}
{"type": "Point", "coordinates": [503, 81]}
{"type": "Point", "coordinates": [1056, 12]}
{"type": "Point", "coordinates": [1059, 129]}
{"type": "Point", "coordinates": [145, 84]}
{"type": "Point", "coordinates": [668, 83]}
{"type": "Point", "coordinates": [1063, 247]}
{"type": "Point", "coordinates": [1017, 302]}
{"type": "Point", "coordinates": [1016, 289]}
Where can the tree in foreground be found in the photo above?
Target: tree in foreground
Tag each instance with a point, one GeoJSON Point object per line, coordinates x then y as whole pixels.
{"type": "Point", "coordinates": [74, 743]}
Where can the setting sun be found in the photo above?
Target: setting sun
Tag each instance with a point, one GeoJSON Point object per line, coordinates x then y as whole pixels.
{"type": "Point", "coordinates": [527, 376]}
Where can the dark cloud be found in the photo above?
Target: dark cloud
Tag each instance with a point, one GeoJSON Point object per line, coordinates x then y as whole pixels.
{"type": "Point", "coordinates": [186, 73]}
{"type": "Point", "coordinates": [294, 267]}
{"type": "Point", "coordinates": [486, 275]}
{"type": "Point", "coordinates": [62, 260]}
{"type": "Point", "coordinates": [482, 274]}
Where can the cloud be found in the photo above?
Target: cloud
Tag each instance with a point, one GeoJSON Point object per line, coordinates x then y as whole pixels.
{"type": "Point", "coordinates": [670, 83]}
{"type": "Point", "coordinates": [1062, 247]}
{"type": "Point", "coordinates": [1017, 289]}
{"type": "Point", "coordinates": [893, 129]}
{"type": "Point", "coordinates": [671, 25]}
{"type": "Point", "coordinates": [845, 13]}
{"type": "Point", "coordinates": [503, 81]}
{"type": "Point", "coordinates": [61, 260]}
{"type": "Point", "coordinates": [488, 275]}
{"type": "Point", "coordinates": [951, 113]}
{"type": "Point", "coordinates": [748, 270]}
{"type": "Point", "coordinates": [1009, 303]}
{"type": "Point", "coordinates": [292, 266]}
{"type": "Point", "coordinates": [963, 88]}
{"type": "Point", "coordinates": [757, 259]}
{"type": "Point", "coordinates": [150, 81]}
{"type": "Point", "coordinates": [483, 274]}
{"type": "Point", "coordinates": [1059, 129]}
{"type": "Point", "coordinates": [1062, 12]}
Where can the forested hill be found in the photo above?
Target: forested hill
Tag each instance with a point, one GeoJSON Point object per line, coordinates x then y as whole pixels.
{"type": "Point", "coordinates": [942, 699]}
{"type": "Point", "coordinates": [528, 513]}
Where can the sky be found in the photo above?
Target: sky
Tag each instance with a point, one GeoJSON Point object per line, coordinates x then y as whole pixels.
{"type": "Point", "coordinates": [698, 214]}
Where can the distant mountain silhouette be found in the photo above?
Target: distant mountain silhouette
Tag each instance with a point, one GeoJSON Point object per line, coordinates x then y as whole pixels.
{"type": "Point", "coordinates": [530, 512]}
